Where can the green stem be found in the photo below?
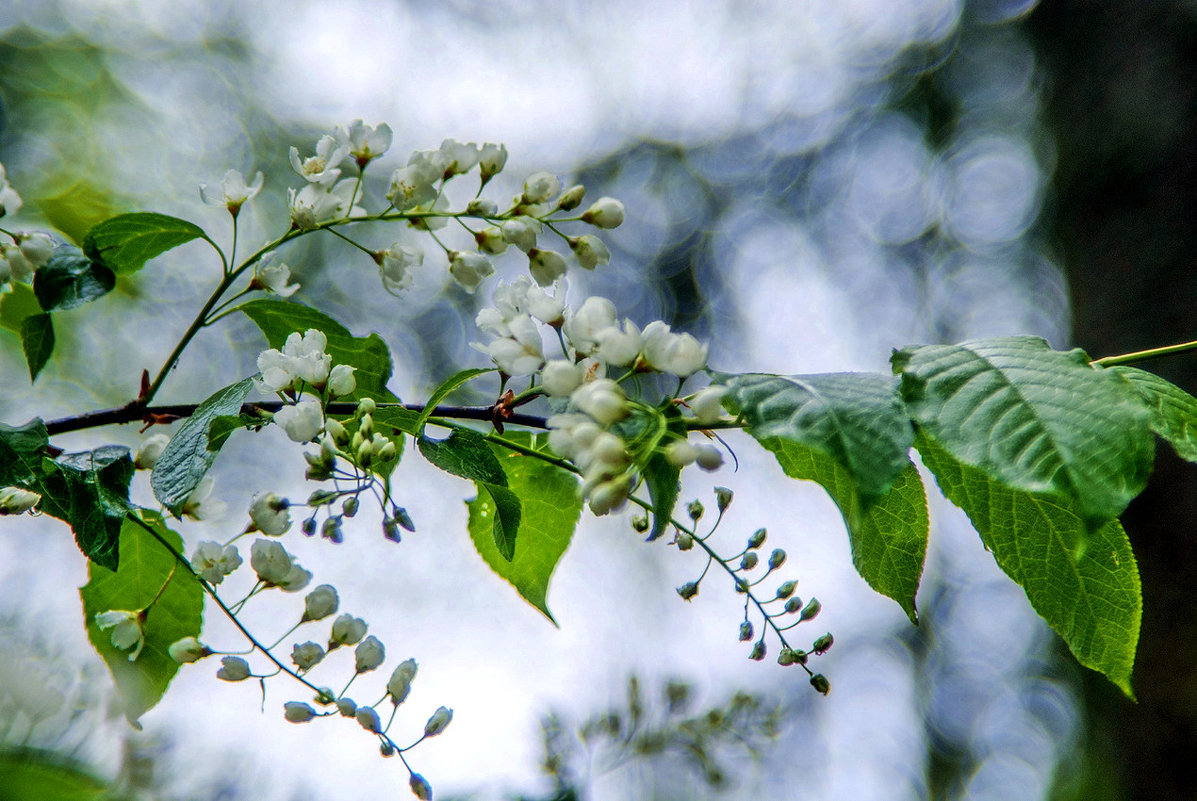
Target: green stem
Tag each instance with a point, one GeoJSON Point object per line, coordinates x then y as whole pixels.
{"type": "Point", "coordinates": [1143, 355]}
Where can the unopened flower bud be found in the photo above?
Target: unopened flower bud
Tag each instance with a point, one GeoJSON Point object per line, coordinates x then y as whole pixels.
{"type": "Point", "coordinates": [388, 452]}
{"type": "Point", "coordinates": [347, 707]}
{"type": "Point", "coordinates": [403, 519]}
{"type": "Point", "coordinates": [306, 655]}
{"type": "Point", "coordinates": [749, 561]}
{"type": "Point", "coordinates": [491, 160]}
{"type": "Point", "coordinates": [685, 541]}
{"type": "Point", "coordinates": [322, 498]}
{"type": "Point", "coordinates": [757, 539]}
{"type": "Point", "coordinates": [571, 198]}
{"type": "Point", "coordinates": [188, 649]}
{"type": "Point", "coordinates": [347, 630]}
{"type": "Point", "coordinates": [745, 631]}
{"type": "Point", "coordinates": [438, 722]}
{"type": "Point", "coordinates": [786, 657]}
{"type": "Point", "coordinates": [777, 559]}
{"type": "Point", "coordinates": [793, 605]}
{"type": "Point", "coordinates": [390, 529]}
{"type": "Point", "coordinates": [331, 530]}
{"type": "Point", "coordinates": [298, 712]}
{"type": "Point", "coordinates": [15, 501]}
{"type": "Point", "coordinates": [741, 586]}
{"type": "Point", "coordinates": [420, 788]}
{"type": "Point", "coordinates": [386, 749]}
{"type": "Point", "coordinates": [366, 426]}
{"type": "Point", "coordinates": [399, 685]}
{"type": "Point", "coordinates": [811, 609]}
{"type": "Point", "coordinates": [688, 590]}
{"type": "Point", "coordinates": [482, 207]}
{"type": "Point", "coordinates": [150, 451]}
{"type": "Point", "coordinates": [341, 381]}
{"type": "Point", "coordinates": [349, 506]}
{"type": "Point", "coordinates": [308, 526]}
{"type": "Point", "coordinates": [589, 250]}
{"type": "Point", "coordinates": [337, 431]}
{"type": "Point", "coordinates": [325, 696]}
{"type": "Point", "coordinates": [708, 457]}
{"type": "Point", "coordinates": [233, 668]}
{"type": "Point", "coordinates": [320, 603]}
{"type": "Point", "coordinates": [366, 406]}
{"type": "Point", "coordinates": [786, 589]}
{"type": "Point", "coordinates": [820, 683]}
{"type": "Point", "coordinates": [758, 651]}
{"type": "Point", "coordinates": [723, 498]}
{"type": "Point", "coordinates": [369, 654]}
{"type": "Point", "coordinates": [695, 510]}
{"type": "Point", "coordinates": [545, 266]}
{"type": "Point", "coordinates": [540, 186]}
{"type": "Point", "coordinates": [823, 644]}
{"type": "Point", "coordinates": [367, 718]}
{"type": "Point", "coordinates": [606, 212]}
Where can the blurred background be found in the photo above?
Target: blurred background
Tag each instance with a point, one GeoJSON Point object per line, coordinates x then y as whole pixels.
{"type": "Point", "coordinates": [808, 186]}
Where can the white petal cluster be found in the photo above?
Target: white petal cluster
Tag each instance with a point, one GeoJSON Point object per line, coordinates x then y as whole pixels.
{"type": "Point", "coordinates": [322, 169]}
{"type": "Point", "coordinates": [306, 655]}
{"type": "Point", "coordinates": [213, 561]}
{"type": "Point", "coordinates": [188, 650]}
{"type": "Point", "coordinates": [269, 514]}
{"type": "Point", "coordinates": [234, 668]}
{"type": "Point", "coordinates": [600, 454]}
{"type": "Point", "coordinates": [10, 201]}
{"type": "Point", "coordinates": [363, 142]}
{"type": "Point", "coordinates": [469, 269]}
{"type": "Point", "coordinates": [21, 259]}
{"type": "Point", "coordinates": [150, 451]}
{"type": "Point", "coordinates": [234, 192]}
{"type": "Point", "coordinates": [369, 654]}
{"type": "Point", "coordinates": [200, 505]}
{"type": "Point", "coordinates": [302, 359]}
{"type": "Point", "coordinates": [273, 277]}
{"type": "Point", "coordinates": [707, 404]}
{"type": "Point", "coordinates": [678, 354]}
{"type": "Point", "coordinates": [399, 685]}
{"type": "Point", "coordinates": [276, 568]}
{"type": "Point", "coordinates": [320, 603]}
{"type": "Point", "coordinates": [302, 421]}
{"type": "Point", "coordinates": [316, 203]}
{"type": "Point", "coordinates": [396, 265]}
{"type": "Point", "coordinates": [127, 631]}
{"type": "Point", "coordinates": [347, 630]}
{"type": "Point", "coordinates": [16, 500]}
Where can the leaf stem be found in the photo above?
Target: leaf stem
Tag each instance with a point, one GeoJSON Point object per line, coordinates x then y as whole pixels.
{"type": "Point", "coordinates": [1143, 355]}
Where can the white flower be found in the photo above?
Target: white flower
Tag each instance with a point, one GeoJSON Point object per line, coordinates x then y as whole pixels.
{"type": "Point", "coordinates": [469, 269]}
{"type": "Point", "coordinates": [490, 240]}
{"type": "Point", "coordinates": [233, 668]}
{"type": "Point", "coordinates": [150, 451]}
{"type": "Point", "coordinates": [610, 496]}
{"type": "Point", "coordinates": [438, 722]}
{"type": "Point", "coordinates": [708, 456]}
{"type": "Point", "coordinates": [271, 562]}
{"type": "Point", "coordinates": [273, 277]}
{"type": "Point", "coordinates": [369, 654]}
{"type": "Point", "coordinates": [604, 456]}
{"type": "Point", "coordinates": [200, 506]}
{"type": "Point", "coordinates": [296, 579]}
{"type": "Point", "coordinates": [363, 142]}
{"type": "Point", "coordinates": [560, 377]}
{"type": "Point", "coordinates": [582, 327]}
{"type": "Point", "coordinates": [306, 655]}
{"type": "Point", "coordinates": [432, 217]}
{"type": "Point", "coordinates": [619, 347]}
{"type": "Point", "coordinates": [187, 650]}
{"type": "Point", "coordinates": [15, 500]}
{"type": "Point", "coordinates": [302, 421]}
{"type": "Point", "coordinates": [459, 158]}
{"type": "Point", "coordinates": [541, 186]}
{"type": "Point", "coordinates": [589, 251]}
{"type": "Point", "coordinates": [10, 201]}
{"type": "Point", "coordinates": [315, 204]}
{"type": "Point", "coordinates": [677, 354]}
{"type": "Point", "coordinates": [347, 630]}
{"type": "Point", "coordinates": [521, 232]}
{"type": "Point", "coordinates": [322, 169]}
{"type": "Point", "coordinates": [521, 353]}
{"type": "Point", "coordinates": [301, 359]}
{"type": "Point", "coordinates": [546, 266]}
{"type": "Point", "coordinates": [298, 712]}
{"type": "Point", "coordinates": [569, 434]}
{"type": "Point", "coordinates": [341, 381]}
{"type": "Point", "coordinates": [707, 405]}
{"type": "Point", "coordinates": [680, 453]}
{"type": "Point", "coordinates": [482, 207]}
{"type": "Point", "coordinates": [411, 186]}
{"type": "Point", "coordinates": [606, 212]}
{"type": "Point", "coordinates": [367, 718]}
{"type": "Point", "coordinates": [399, 685]}
{"type": "Point", "coordinates": [491, 160]}
{"type": "Point", "coordinates": [37, 248]}
{"type": "Point", "coordinates": [571, 197]}
{"type": "Point", "coordinates": [395, 265]}
{"type": "Point", "coordinates": [213, 561]}
{"type": "Point", "coordinates": [126, 629]}
{"type": "Point", "coordinates": [320, 602]}
{"type": "Point", "coordinates": [429, 165]}
{"type": "Point", "coordinates": [602, 399]}
{"type": "Point", "coordinates": [269, 514]}
{"type": "Point", "coordinates": [347, 707]}
{"type": "Point", "coordinates": [234, 192]}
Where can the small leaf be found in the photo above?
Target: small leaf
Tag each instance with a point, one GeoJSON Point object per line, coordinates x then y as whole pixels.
{"type": "Point", "coordinates": [125, 243]}
{"type": "Point", "coordinates": [507, 517]}
{"type": "Point", "coordinates": [1035, 419]}
{"type": "Point", "coordinates": [37, 340]}
{"type": "Point", "coordinates": [551, 508]}
{"type": "Point", "coordinates": [278, 319]}
{"type": "Point", "coordinates": [888, 538]}
{"type": "Point", "coordinates": [146, 565]}
{"type": "Point", "coordinates": [1173, 412]}
{"type": "Point", "coordinates": [16, 305]}
{"type": "Point", "coordinates": [21, 451]}
{"type": "Point", "coordinates": [191, 453]}
{"type": "Point", "coordinates": [70, 279]}
{"type": "Point", "coordinates": [90, 490]}
{"type": "Point", "coordinates": [857, 419]}
{"type": "Point", "coordinates": [448, 385]}
{"type": "Point", "coordinates": [1084, 582]}
{"type": "Point", "coordinates": [661, 476]}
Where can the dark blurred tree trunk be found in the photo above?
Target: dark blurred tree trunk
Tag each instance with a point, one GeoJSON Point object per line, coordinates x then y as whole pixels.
{"type": "Point", "coordinates": [1121, 104]}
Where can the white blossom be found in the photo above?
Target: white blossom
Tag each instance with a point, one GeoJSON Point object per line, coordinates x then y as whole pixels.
{"type": "Point", "coordinates": [341, 381]}
{"type": "Point", "coordinates": [521, 232]}
{"type": "Point", "coordinates": [708, 456]}
{"type": "Point", "coordinates": [306, 655]}
{"type": "Point", "coordinates": [322, 169]}
{"type": "Point", "coordinates": [270, 514]}
{"type": "Point", "coordinates": [150, 451]}
{"type": "Point", "coordinates": [367, 718]}
{"type": "Point", "coordinates": [200, 505]}
{"type": "Point", "coordinates": [469, 269]}
{"type": "Point", "coordinates": [302, 421]}
{"type": "Point", "coordinates": [271, 562]}
{"type": "Point", "coordinates": [680, 453]}
{"type": "Point", "coordinates": [459, 158]}
{"type": "Point", "coordinates": [365, 143]}
{"type": "Point", "coordinates": [369, 654]}
{"type": "Point", "coordinates": [438, 722]}
{"type": "Point", "coordinates": [320, 602]}
{"type": "Point", "coordinates": [127, 631]}
{"type": "Point", "coordinates": [582, 327]}
{"type": "Point", "coordinates": [707, 404]}
{"type": "Point", "coordinates": [610, 496]}
{"type": "Point", "coordinates": [234, 192]}
{"type": "Point", "coordinates": [606, 212]}
{"type": "Point", "coordinates": [570, 434]}
{"type": "Point", "coordinates": [233, 668]}
{"type": "Point", "coordinates": [298, 712]}
{"type": "Point", "coordinates": [677, 354]}
{"type": "Point", "coordinates": [37, 247]}
{"type": "Point", "coordinates": [560, 377]}
{"type": "Point", "coordinates": [396, 265]}
{"type": "Point", "coordinates": [546, 266]}
{"type": "Point", "coordinates": [187, 650]}
{"type": "Point", "coordinates": [617, 346]}
{"type": "Point", "coordinates": [15, 500]}
{"type": "Point", "coordinates": [213, 561]}
{"type": "Point", "coordinates": [589, 251]}
{"type": "Point", "coordinates": [399, 685]}
{"type": "Point", "coordinates": [302, 358]}
{"type": "Point", "coordinates": [540, 186]}
{"type": "Point", "coordinates": [410, 186]}
{"type": "Point", "coordinates": [273, 277]}
{"type": "Point", "coordinates": [520, 353]}
{"type": "Point", "coordinates": [491, 160]}
{"type": "Point", "coordinates": [347, 630]}
{"type": "Point", "coordinates": [490, 241]}
{"type": "Point", "coordinates": [602, 399]}
{"type": "Point", "coordinates": [315, 204]}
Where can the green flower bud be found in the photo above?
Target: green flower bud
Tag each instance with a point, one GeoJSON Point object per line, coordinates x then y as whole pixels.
{"type": "Point", "coordinates": [749, 561]}
{"type": "Point", "coordinates": [757, 539]}
{"type": "Point", "coordinates": [571, 198]}
{"type": "Point", "coordinates": [758, 651]}
{"type": "Point", "coordinates": [366, 426]}
{"type": "Point", "coordinates": [365, 454]}
{"type": "Point", "coordinates": [820, 683]}
{"type": "Point", "coordinates": [745, 631]}
{"type": "Point", "coordinates": [331, 530]}
{"type": "Point", "coordinates": [349, 506]}
{"type": "Point", "coordinates": [810, 610]}
{"type": "Point", "coordinates": [787, 589]}
{"type": "Point", "coordinates": [786, 657]}
{"type": "Point", "coordinates": [688, 590]}
{"type": "Point", "coordinates": [356, 441]}
{"type": "Point", "coordinates": [695, 509]}
{"type": "Point", "coordinates": [325, 696]}
{"type": "Point", "coordinates": [386, 749]}
{"type": "Point", "coordinates": [777, 559]}
{"type": "Point", "coordinates": [337, 431]}
{"type": "Point", "coordinates": [390, 529]}
{"type": "Point", "coordinates": [322, 498]}
{"type": "Point", "coordinates": [684, 541]}
{"type": "Point", "coordinates": [823, 644]}
{"type": "Point", "coordinates": [308, 526]}
{"type": "Point", "coordinates": [420, 787]}
{"type": "Point", "coordinates": [793, 605]}
{"type": "Point", "coordinates": [388, 452]}
{"type": "Point", "coordinates": [723, 498]}
{"type": "Point", "coordinates": [640, 523]}
{"type": "Point", "coordinates": [401, 517]}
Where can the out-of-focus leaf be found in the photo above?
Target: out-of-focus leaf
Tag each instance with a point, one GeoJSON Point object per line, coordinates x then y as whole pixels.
{"type": "Point", "coordinates": [126, 242]}
{"type": "Point", "coordinates": [70, 279]}
{"type": "Point", "coordinates": [37, 340]}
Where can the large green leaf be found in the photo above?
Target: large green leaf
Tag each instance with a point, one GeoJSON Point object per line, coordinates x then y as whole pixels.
{"type": "Point", "coordinates": [90, 490]}
{"type": "Point", "coordinates": [888, 537]}
{"type": "Point", "coordinates": [70, 279]}
{"type": "Point", "coordinates": [16, 304]}
{"type": "Point", "coordinates": [551, 508]}
{"type": "Point", "coordinates": [125, 243]}
{"type": "Point", "coordinates": [1084, 582]}
{"type": "Point", "coordinates": [857, 419]}
{"type": "Point", "coordinates": [193, 449]}
{"type": "Point", "coordinates": [37, 340]}
{"type": "Point", "coordinates": [28, 774]}
{"type": "Point", "coordinates": [278, 319]}
{"type": "Point", "coordinates": [1173, 411]}
{"type": "Point", "coordinates": [465, 453]}
{"type": "Point", "coordinates": [21, 451]}
{"type": "Point", "coordinates": [1037, 420]}
{"type": "Point", "coordinates": [146, 566]}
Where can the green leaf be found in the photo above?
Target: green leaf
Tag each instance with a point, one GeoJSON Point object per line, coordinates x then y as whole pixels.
{"type": "Point", "coordinates": [1084, 583]}
{"type": "Point", "coordinates": [70, 279]}
{"type": "Point", "coordinates": [857, 419]}
{"type": "Point", "coordinates": [90, 491]}
{"type": "Point", "coordinates": [448, 385]}
{"type": "Point", "coordinates": [17, 304]}
{"type": "Point", "coordinates": [466, 453]}
{"type": "Point", "coordinates": [888, 537]}
{"type": "Point", "coordinates": [1037, 420]}
{"type": "Point", "coordinates": [28, 774]}
{"type": "Point", "coordinates": [21, 451]}
{"type": "Point", "coordinates": [551, 508]}
{"type": "Point", "coordinates": [37, 340]}
{"type": "Point", "coordinates": [278, 319]}
{"type": "Point", "coordinates": [146, 568]}
{"type": "Point", "coordinates": [661, 476]}
{"type": "Point", "coordinates": [192, 449]}
{"type": "Point", "coordinates": [125, 243]}
{"type": "Point", "coordinates": [1173, 412]}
